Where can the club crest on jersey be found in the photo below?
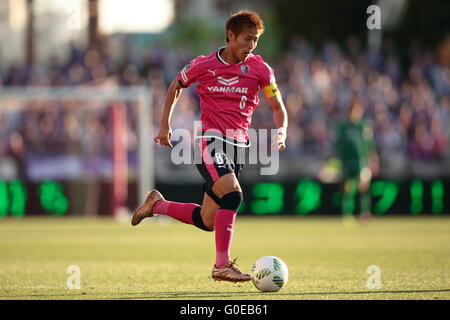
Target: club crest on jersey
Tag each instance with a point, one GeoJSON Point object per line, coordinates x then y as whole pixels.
{"type": "Point", "coordinates": [245, 69]}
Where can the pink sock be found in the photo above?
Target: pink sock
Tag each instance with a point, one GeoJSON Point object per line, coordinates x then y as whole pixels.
{"type": "Point", "coordinates": [224, 227]}
{"type": "Point", "coordinates": [177, 210]}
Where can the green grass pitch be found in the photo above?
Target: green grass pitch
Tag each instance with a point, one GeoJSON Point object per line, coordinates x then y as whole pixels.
{"type": "Point", "coordinates": [165, 259]}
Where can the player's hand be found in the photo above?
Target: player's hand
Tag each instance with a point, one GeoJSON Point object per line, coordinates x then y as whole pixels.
{"type": "Point", "coordinates": [164, 136]}
{"type": "Point", "coordinates": [280, 142]}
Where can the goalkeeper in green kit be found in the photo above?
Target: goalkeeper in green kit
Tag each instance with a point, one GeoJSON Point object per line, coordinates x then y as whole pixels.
{"type": "Point", "coordinates": [355, 148]}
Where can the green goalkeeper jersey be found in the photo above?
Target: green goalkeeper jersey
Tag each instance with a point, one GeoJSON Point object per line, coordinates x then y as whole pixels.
{"type": "Point", "coordinates": [354, 145]}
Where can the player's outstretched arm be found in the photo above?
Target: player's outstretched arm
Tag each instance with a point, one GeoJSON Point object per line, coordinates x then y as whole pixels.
{"type": "Point", "coordinates": [281, 120]}
{"type": "Point", "coordinates": [165, 131]}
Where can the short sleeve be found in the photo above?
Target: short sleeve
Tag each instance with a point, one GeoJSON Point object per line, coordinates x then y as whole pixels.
{"type": "Point", "coordinates": [267, 81]}
{"type": "Point", "coordinates": [190, 73]}
{"type": "Point", "coordinates": [267, 76]}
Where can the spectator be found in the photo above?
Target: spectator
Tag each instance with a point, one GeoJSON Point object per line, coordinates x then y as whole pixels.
{"type": "Point", "coordinates": [408, 104]}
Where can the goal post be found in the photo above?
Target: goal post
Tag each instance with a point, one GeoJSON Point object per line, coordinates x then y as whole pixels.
{"type": "Point", "coordinates": [125, 108]}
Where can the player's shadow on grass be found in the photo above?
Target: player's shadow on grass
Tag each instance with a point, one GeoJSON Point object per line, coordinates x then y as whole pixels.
{"type": "Point", "coordinates": [185, 295]}
{"type": "Point", "coordinates": [214, 294]}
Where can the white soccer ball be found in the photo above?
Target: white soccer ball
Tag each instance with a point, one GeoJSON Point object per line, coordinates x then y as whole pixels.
{"type": "Point", "coordinates": [269, 274]}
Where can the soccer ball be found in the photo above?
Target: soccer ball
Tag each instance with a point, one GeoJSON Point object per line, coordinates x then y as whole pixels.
{"type": "Point", "coordinates": [269, 274]}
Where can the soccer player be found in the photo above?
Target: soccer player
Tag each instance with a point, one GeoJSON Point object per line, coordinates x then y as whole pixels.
{"type": "Point", "coordinates": [355, 148]}
{"type": "Point", "coordinates": [229, 80]}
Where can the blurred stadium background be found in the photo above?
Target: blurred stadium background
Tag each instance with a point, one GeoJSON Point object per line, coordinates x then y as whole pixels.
{"type": "Point", "coordinates": [82, 84]}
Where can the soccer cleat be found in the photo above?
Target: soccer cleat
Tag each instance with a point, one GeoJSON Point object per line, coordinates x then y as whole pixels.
{"type": "Point", "coordinates": [230, 273]}
{"type": "Point", "coordinates": [146, 209]}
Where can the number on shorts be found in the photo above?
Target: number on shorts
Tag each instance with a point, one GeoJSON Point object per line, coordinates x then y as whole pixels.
{"type": "Point", "coordinates": [219, 159]}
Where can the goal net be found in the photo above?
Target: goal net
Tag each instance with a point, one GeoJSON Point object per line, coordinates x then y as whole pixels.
{"type": "Point", "coordinates": [80, 150]}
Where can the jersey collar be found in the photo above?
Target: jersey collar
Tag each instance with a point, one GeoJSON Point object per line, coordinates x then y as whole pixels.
{"type": "Point", "coordinates": [224, 62]}
{"type": "Point", "coordinates": [219, 57]}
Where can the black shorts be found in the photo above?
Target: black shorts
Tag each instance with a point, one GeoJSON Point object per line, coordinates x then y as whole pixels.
{"type": "Point", "coordinates": [215, 158]}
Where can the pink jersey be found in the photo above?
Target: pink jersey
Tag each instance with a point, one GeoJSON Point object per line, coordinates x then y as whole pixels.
{"type": "Point", "coordinates": [228, 92]}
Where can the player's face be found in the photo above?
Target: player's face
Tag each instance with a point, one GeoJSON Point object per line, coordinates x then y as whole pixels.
{"type": "Point", "coordinates": [356, 112]}
{"type": "Point", "coordinates": [244, 43]}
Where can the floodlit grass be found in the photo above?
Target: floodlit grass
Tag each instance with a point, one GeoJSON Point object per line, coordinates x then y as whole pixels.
{"type": "Point", "coordinates": [164, 259]}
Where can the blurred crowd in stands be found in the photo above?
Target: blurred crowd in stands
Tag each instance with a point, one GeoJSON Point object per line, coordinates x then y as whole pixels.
{"type": "Point", "coordinates": [406, 93]}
